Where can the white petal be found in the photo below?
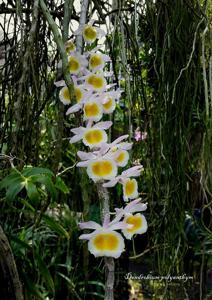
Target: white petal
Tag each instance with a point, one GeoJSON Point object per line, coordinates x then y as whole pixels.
{"type": "Point", "coordinates": [86, 236]}
{"type": "Point", "coordinates": [125, 146]}
{"type": "Point", "coordinates": [138, 207]}
{"type": "Point", "coordinates": [75, 139]}
{"type": "Point", "coordinates": [100, 32]}
{"type": "Point", "coordinates": [59, 83]}
{"type": "Point", "coordinates": [134, 171]}
{"type": "Point", "coordinates": [89, 225]}
{"type": "Point", "coordinates": [79, 30]}
{"type": "Point", "coordinates": [85, 155]}
{"type": "Point", "coordinates": [110, 183]}
{"type": "Point", "coordinates": [73, 109]}
{"type": "Point", "coordinates": [103, 125]}
{"type": "Point", "coordinates": [83, 164]}
{"type": "Point", "coordinates": [78, 130]}
{"type": "Point", "coordinates": [119, 139]}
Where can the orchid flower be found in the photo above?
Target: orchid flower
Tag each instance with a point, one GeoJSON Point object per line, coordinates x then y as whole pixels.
{"type": "Point", "coordinates": [104, 240]}
{"type": "Point", "coordinates": [115, 151]}
{"type": "Point", "coordinates": [130, 186]}
{"type": "Point", "coordinates": [96, 82]}
{"type": "Point", "coordinates": [70, 47]}
{"type": "Point", "coordinates": [139, 136]}
{"type": "Point", "coordinates": [93, 110]}
{"type": "Point", "coordinates": [80, 96]}
{"type": "Point", "coordinates": [102, 169]}
{"type": "Point", "coordinates": [92, 136]}
{"type": "Point", "coordinates": [138, 221]}
{"type": "Point", "coordinates": [97, 61]}
{"type": "Point", "coordinates": [90, 33]}
{"type": "Point", "coordinates": [131, 172]}
{"type": "Point", "coordinates": [76, 63]}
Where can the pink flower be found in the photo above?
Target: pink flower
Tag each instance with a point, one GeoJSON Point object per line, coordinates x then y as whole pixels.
{"type": "Point", "coordinates": [140, 136]}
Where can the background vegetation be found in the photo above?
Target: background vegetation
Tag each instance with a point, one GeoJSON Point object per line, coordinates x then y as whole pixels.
{"type": "Point", "coordinates": [161, 58]}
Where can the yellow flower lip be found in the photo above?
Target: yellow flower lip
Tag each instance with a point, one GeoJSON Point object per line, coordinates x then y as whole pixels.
{"type": "Point", "coordinates": [92, 110]}
{"type": "Point", "coordinates": [74, 65]}
{"type": "Point", "coordinates": [96, 61]}
{"type": "Point", "coordinates": [96, 81]}
{"type": "Point", "coordinates": [122, 158]}
{"type": "Point", "coordinates": [139, 225]}
{"type": "Point", "coordinates": [136, 221]}
{"type": "Point", "coordinates": [102, 169]}
{"type": "Point", "coordinates": [130, 188]}
{"type": "Point", "coordinates": [89, 33]}
{"type": "Point", "coordinates": [107, 105]}
{"type": "Point", "coordinates": [94, 136]}
{"type": "Point", "coordinates": [106, 242]}
{"type": "Point", "coordinates": [69, 46]}
{"type": "Point", "coordinates": [64, 95]}
{"type": "Point", "coordinates": [78, 94]}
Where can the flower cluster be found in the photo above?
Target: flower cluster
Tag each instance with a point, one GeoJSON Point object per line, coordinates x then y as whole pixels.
{"type": "Point", "coordinates": [95, 98]}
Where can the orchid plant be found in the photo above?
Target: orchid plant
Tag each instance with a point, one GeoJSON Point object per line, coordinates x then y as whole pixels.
{"type": "Point", "coordinates": [95, 98]}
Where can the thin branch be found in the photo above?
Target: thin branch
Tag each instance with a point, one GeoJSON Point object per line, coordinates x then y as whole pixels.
{"type": "Point", "coordinates": [205, 74]}
{"type": "Point", "coordinates": [60, 46]}
{"type": "Point", "coordinates": [83, 16]}
{"type": "Point", "coordinates": [189, 61]}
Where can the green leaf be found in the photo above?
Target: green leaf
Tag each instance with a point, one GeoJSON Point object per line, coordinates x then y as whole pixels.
{"type": "Point", "coordinates": [14, 189]}
{"type": "Point", "coordinates": [32, 288]}
{"type": "Point", "coordinates": [20, 243]}
{"type": "Point", "coordinates": [32, 191]}
{"type": "Point", "coordinates": [29, 171]}
{"type": "Point", "coordinates": [71, 284]}
{"type": "Point", "coordinates": [60, 185]}
{"type": "Point", "coordinates": [55, 226]}
{"type": "Point", "coordinates": [11, 179]}
{"type": "Point", "coordinates": [28, 205]}
{"type": "Point", "coordinates": [45, 273]}
{"type": "Point", "coordinates": [45, 180]}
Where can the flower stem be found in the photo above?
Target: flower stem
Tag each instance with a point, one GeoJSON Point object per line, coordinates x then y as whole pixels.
{"type": "Point", "coordinates": [109, 261]}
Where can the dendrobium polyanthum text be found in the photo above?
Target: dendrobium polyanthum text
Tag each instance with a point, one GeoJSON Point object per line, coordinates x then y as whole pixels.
{"type": "Point", "coordinates": [95, 98]}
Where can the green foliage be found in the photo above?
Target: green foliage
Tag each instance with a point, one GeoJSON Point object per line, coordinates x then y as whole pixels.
{"type": "Point", "coordinates": [36, 181]}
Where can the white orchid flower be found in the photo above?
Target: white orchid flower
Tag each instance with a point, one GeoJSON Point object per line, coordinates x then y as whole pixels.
{"type": "Point", "coordinates": [93, 110]}
{"type": "Point", "coordinates": [138, 220]}
{"type": "Point", "coordinates": [70, 47]}
{"type": "Point", "coordinates": [90, 33]}
{"type": "Point", "coordinates": [76, 63]}
{"type": "Point", "coordinates": [92, 136]}
{"type": "Point", "coordinates": [104, 240]}
{"type": "Point", "coordinates": [97, 61]}
{"type": "Point", "coordinates": [130, 186]}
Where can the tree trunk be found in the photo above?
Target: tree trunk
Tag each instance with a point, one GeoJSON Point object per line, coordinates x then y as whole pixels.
{"type": "Point", "coordinates": [10, 288]}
